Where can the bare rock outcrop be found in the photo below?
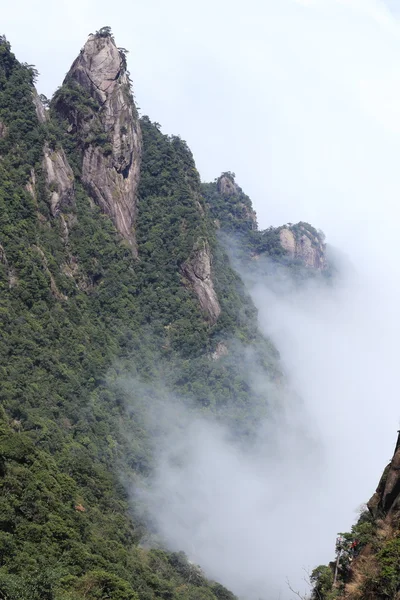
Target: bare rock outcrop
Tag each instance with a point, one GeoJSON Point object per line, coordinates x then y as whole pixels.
{"type": "Point", "coordinates": [3, 257]}
{"type": "Point", "coordinates": [220, 351]}
{"type": "Point", "coordinates": [227, 186]}
{"type": "Point", "coordinates": [11, 275]}
{"type": "Point", "coordinates": [386, 499]}
{"type": "Point", "coordinates": [197, 271]}
{"type": "Point", "coordinates": [59, 179]}
{"type": "Point", "coordinates": [112, 149]}
{"type": "Point", "coordinates": [306, 245]}
{"type": "Point", "coordinates": [53, 286]}
{"type": "Point", "coordinates": [31, 185]}
{"type": "Point", "coordinates": [3, 130]}
{"type": "Point", "coordinates": [40, 109]}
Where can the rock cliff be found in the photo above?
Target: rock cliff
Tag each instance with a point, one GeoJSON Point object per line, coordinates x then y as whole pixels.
{"type": "Point", "coordinates": [241, 206]}
{"type": "Point", "coordinates": [227, 186]}
{"type": "Point", "coordinates": [39, 107]}
{"type": "Point", "coordinates": [79, 314]}
{"type": "Point", "coordinates": [3, 130]}
{"type": "Point", "coordinates": [107, 125]}
{"type": "Point", "coordinates": [197, 271]}
{"type": "Point", "coordinates": [386, 500]}
{"type": "Point", "coordinates": [367, 565]}
{"type": "Point", "coordinates": [305, 244]}
{"type": "Point", "coordinates": [59, 179]}
{"type": "Point", "coordinates": [299, 245]}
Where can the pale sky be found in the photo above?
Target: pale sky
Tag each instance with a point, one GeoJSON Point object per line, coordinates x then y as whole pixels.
{"type": "Point", "coordinates": [294, 96]}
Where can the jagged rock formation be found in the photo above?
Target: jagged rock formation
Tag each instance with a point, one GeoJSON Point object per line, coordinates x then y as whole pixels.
{"type": "Point", "coordinates": [3, 130]}
{"type": "Point", "coordinates": [220, 351]}
{"type": "Point", "coordinates": [227, 186]}
{"type": "Point", "coordinates": [197, 271]}
{"type": "Point", "coordinates": [241, 204]}
{"type": "Point", "coordinates": [40, 109]}
{"type": "Point", "coordinates": [10, 272]}
{"type": "Point", "coordinates": [74, 304]}
{"type": "Point", "coordinates": [296, 246]}
{"type": "Point", "coordinates": [300, 242]}
{"type": "Point", "coordinates": [374, 572]}
{"type": "Point", "coordinates": [386, 499]}
{"type": "Point", "coordinates": [59, 179]}
{"type": "Point", "coordinates": [31, 184]}
{"type": "Point", "coordinates": [367, 565]}
{"type": "Point", "coordinates": [109, 130]}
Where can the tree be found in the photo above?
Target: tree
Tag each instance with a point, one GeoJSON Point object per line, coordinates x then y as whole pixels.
{"type": "Point", "coordinates": [104, 32]}
{"type": "Point", "coordinates": [322, 581]}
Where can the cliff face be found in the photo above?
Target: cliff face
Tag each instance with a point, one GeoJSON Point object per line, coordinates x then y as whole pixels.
{"type": "Point", "coordinates": [59, 179]}
{"type": "Point", "coordinates": [108, 129]}
{"type": "Point", "coordinates": [386, 500]}
{"type": "Point", "coordinates": [367, 565]}
{"type": "Point", "coordinates": [298, 246]}
{"type": "Point", "coordinates": [76, 307]}
{"type": "Point", "coordinates": [198, 272]}
{"type": "Point", "coordinates": [305, 244]}
{"type": "Point", "coordinates": [40, 109]}
{"type": "Point", "coordinates": [230, 207]}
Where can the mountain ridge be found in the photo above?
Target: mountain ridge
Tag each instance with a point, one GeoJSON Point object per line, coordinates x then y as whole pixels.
{"type": "Point", "coordinates": [111, 264]}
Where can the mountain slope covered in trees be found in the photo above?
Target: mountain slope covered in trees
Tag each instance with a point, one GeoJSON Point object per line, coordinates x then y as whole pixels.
{"type": "Point", "coordinates": [111, 263]}
{"type": "Point", "coordinates": [367, 562]}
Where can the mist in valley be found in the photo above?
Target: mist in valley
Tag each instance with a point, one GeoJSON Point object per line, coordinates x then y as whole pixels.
{"type": "Point", "coordinates": [306, 111]}
{"type": "Point", "coordinates": [259, 518]}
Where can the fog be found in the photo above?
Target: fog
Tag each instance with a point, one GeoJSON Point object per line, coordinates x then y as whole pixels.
{"type": "Point", "coordinates": [320, 143]}
{"type": "Point", "coordinates": [302, 100]}
{"type": "Point", "coordinates": [259, 516]}
{"type": "Point", "coordinates": [318, 140]}
{"type": "Point", "coordinates": [242, 513]}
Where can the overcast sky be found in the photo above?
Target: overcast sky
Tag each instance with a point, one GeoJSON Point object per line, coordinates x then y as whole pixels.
{"type": "Point", "coordinates": [301, 99]}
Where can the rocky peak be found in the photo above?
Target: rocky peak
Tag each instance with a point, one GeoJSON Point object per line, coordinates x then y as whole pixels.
{"type": "Point", "coordinates": [237, 208]}
{"type": "Point", "coordinates": [369, 567]}
{"type": "Point", "coordinates": [227, 186]}
{"type": "Point", "coordinates": [386, 499]}
{"type": "Point", "coordinates": [109, 129]}
{"type": "Point", "coordinates": [303, 242]}
{"type": "Point", "coordinates": [100, 67]}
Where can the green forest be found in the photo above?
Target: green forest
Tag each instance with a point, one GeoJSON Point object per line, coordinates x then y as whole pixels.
{"type": "Point", "coordinates": [79, 313]}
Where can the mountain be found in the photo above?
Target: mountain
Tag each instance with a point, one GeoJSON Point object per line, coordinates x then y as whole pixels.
{"type": "Point", "coordinates": [367, 564]}
{"type": "Point", "coordinates": [115, 262]}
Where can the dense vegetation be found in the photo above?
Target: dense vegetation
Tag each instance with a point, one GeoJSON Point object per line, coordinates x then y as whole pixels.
{"type": "Point", "coordinates": [77, 313]}
{"type": "Point", "coordinates": [367, 564]}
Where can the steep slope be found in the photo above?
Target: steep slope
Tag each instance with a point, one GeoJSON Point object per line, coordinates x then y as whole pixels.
{"type": "Point", "coordinates": [110, 265]}
{"type": "Point", "coordinates": [69, 307]}
{"type": "Point", "coordinates": [367, 565]}
{"type": "Point", "coordinates": [96, 103]}
{"type": "Point", "coordinates": [230, 208]}
{"type": "Point", "coordinates": [297, 247]}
